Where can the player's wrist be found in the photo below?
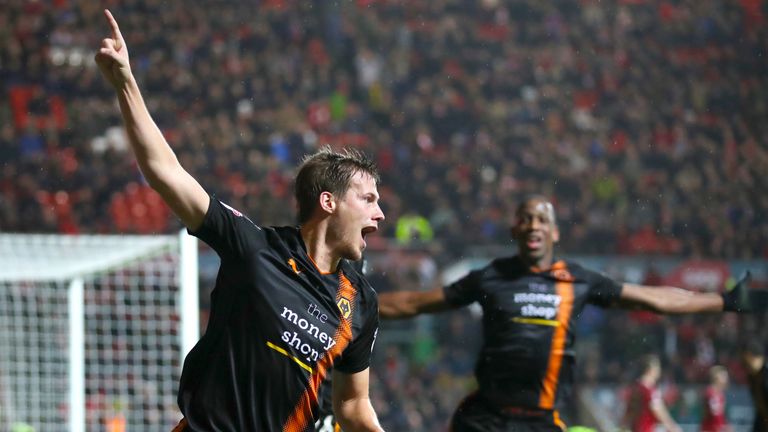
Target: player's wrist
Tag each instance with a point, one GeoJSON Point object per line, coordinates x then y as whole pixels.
{"type": "Point", "coordinates": [125, 83]}
{"type": "Point", "coordinates": [737, 298]}
{"type": "Point", "coordinates": [729, 302]}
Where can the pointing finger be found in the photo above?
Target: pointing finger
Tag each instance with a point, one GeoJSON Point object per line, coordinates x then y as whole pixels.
{"type": "Point", "coordinates": [115, 30]}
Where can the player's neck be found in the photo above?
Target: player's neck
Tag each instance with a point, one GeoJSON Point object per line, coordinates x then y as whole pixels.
{"type": "Point", "coordinates": [315, 240]}
{"type": "Point", "coordinates": [539, 264]}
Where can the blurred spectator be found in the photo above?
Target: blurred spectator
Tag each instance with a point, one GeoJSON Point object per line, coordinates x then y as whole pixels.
{"type": "Point", "coordinates": [413, 228]}
{"type": "Point", "coordinates": [646, 410]}
{"type": "Point", "coordinates": [714, 401]}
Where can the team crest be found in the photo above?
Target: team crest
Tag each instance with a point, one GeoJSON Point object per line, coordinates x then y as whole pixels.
{"type": "Point", "coordinates": [345, 307]}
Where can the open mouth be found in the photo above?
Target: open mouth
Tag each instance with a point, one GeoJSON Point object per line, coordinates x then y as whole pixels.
{"type": "Point", "coordinates": [367, 230]}
{"type": "Point", "coordinates": [534, 241]}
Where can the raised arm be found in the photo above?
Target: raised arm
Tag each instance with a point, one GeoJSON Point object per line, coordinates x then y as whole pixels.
{"type": "Point", "coordinates": [672, 300]}
{"type": "Point", "coordinates": [351, 403]}
{"type": "Point", "coordinates": [156, 159]}
{"type": "Point", "coordinates": [405, 304]}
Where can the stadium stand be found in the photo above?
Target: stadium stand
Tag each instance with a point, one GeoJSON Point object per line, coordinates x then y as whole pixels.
{"type": "Point", "coordinates": [642, 118]}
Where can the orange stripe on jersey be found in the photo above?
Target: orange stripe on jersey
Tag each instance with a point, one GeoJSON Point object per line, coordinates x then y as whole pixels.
{"type": "Point", "coordinates": [557, 349]}
{"type": "Point", "coordinates": [302, 413]}
{"type": "Point", "coordinates": [558, 421]}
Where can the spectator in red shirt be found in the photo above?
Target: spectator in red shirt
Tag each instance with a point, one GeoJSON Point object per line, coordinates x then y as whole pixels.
{"type": "Point", "coordinates": [646, 409]}
{"type": "Point", "coordinates": [714, 402]}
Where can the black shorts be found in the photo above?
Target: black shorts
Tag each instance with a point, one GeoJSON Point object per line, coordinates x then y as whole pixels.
{"type": "Point", "coordinates": [474, 414]}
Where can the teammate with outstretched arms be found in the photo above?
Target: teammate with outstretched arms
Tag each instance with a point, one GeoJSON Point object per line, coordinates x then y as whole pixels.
{"type": "Point", "coordinates": [530, 302]}
{"type": "Point", "coordinates": [288, 307]}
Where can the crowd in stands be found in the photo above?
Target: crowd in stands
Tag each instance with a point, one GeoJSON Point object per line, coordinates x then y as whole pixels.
{"type": "Point", "coordinates": [645, 121]}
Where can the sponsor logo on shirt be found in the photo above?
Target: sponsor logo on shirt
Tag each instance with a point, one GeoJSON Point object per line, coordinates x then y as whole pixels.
{"type": "Point", "coordinates": [538, 305]}
{"type": "Point", "coordinates": [305, 328]}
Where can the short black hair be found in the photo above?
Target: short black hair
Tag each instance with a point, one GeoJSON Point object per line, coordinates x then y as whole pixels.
{"type": "Point", "coordinates": [537, 197]}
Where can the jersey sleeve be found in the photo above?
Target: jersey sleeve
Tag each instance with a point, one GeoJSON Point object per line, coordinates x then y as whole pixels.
{"type": "Point", "coordinates": [357, 356]}
{"type": "Point", "coordinates": [465, 290]}
{"type": "Point", "coordinates": [603, 291]}
{"type": "Point", "coordinates": [229, 232]}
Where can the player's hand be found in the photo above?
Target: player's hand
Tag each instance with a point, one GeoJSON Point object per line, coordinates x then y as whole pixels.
{"type": "Point", "coordinates": [738, 297]}
{"type": "Point", "coordinates": [112, 56]}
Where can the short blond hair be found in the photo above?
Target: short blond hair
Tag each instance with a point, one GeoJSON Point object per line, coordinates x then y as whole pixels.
{"type": "Point", "coordinates": [716, 371]}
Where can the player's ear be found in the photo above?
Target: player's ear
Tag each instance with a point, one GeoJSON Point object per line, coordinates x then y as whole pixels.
{"type": "Point", "coordinates": [327, 202]}
{"type": "Point", "coordinates": [555, 234]}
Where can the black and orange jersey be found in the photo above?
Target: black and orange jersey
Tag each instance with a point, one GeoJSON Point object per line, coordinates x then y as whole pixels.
{"type": "Point", "coordinates": [277, 327]}
{"type": "Point", "coordinates": [527, 355]}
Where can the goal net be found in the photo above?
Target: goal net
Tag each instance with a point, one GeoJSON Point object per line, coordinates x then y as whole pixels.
{"type": "Point", "coordinates": [94, 329]}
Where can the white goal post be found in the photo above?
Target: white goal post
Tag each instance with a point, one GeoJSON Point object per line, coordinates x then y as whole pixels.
{"type": "Point", "coordinates": [94, 330]}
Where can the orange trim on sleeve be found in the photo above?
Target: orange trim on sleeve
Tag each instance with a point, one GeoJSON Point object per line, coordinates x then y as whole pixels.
{"type": "Point", "coordinates": [302, 413]}
{"type": "Point", "coordinates": [557, 349]}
